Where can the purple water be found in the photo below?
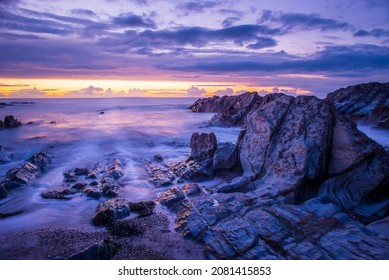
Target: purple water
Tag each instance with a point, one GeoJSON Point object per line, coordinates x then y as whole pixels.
{"type": "Point", "coordinates": [131, 129]}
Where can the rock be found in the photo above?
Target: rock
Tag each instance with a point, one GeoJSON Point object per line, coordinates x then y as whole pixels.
{"type": "Point", "coordinates": [102, 113]}
{"type": "Point", "coordinates": [143, 208]}
{"type": "Point", "coordinates": [191, 189]}
{"type": "Point", "coordinates": [158, 157]}
{"type": "Point", "coordinates": [203, 146]}
{"type": "Point", "coordinates": [41, 160]}
{"type": "Point", "coordinates": [30, 123]}
{"type": "Point", "coordinates": [79, 186]}
{"type": "Point", "coordinates": [225, 157]}
{"type": "Point", "coordinates": [160, 174]}
{"type": "Point", "coordinates": [101, 251]}
{"type": "Point", "coordinates": [53, 122]}
{"type": "Point", "coordinates": [55, 195]}
{"type": "Point", "coordinates": [110, 190]}
{"type": "Point", "coordinates": [110, 211]}
{"type": "Point", "coordinates": [94, 192]}
{"type": "Point", "coordinates": [192, 170]}
{"type": "Point", "coordinates": [171, 197]}
{"type": "Point", "coordinates": [115, 170]}
{"type": "Point", "coordinates": [126, 228]}
{"type": "Point", "coordinates": [97, 169]}
{"type": "Point", "coordinates": [11, 122]}
{"type": "Point", "coordinates": [3, 190]}
{"type": "Point", "coordinates": [364, 102]}
{"type": "Point", "coordinates": [23, 175]}
{"type": "Point", "coordinates": [81, 171]}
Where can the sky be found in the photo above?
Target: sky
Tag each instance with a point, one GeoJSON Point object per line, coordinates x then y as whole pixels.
{"type": "Point", "coordinates": [155, 48]}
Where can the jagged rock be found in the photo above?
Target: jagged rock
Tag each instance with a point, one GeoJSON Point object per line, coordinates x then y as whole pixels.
{"type": "Point", "coordinates": [115, 170]}
{"type": "Point", "coordinates": [158, 157]}
{"type": "Point", "coordinates": [55, 195]}
{"type": "Point", "coordinates": [190, 189]}
{"type": "Point", "coordinates": [294, 150]}
{"type": "Point", "coordinates": [11, 122]}
{"type": "Point", "coordinates": [364, 102]}
{"type": "Point", "coordinates": [97, 169]}
{"type": "Point", "coordinates": [143, 208]}
{"type": "Point", "coordinates": [203, 146]}
{"type": "Point", "coordinates": [231, 110]}
{"type": "Point", "coordinates": [225, 157]}
{"type": "Point", "coordinates": [94, 192]}
{"type": "Point", "coordinates": [81, 171]}
{"type": "Point", "coordinates": [110, 211]}
{"type": "Point", "coordinates": [110, 190]}
{"type": "Point", "coordinates": [79, 186]}
{"type": "Point", "coordinates": [160, 174]}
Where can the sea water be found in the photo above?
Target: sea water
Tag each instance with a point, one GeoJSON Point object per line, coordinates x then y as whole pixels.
{"type": "Point", "coordinates": [82, 132]}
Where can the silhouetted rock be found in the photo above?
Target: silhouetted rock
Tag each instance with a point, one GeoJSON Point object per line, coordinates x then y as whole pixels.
{"type": "Point", "coordinates": [364, 102]}
{"type": "Point", "coordinates": [10, 122]}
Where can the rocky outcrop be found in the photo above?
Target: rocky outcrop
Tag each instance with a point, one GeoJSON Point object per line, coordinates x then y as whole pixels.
{"type": "Point", "coordinates": [231, 110]}
{"type": "Point", "coordinates": [25, 174]}
{"type": "Point", "coordinates": [364, 102]}
{"type": "Point", "coordinates": [100, 181]}
{"type": "Point", "coordinates": [10, 122]}
{"type": "Point", "coordinates": [110, 211]}
{"type": "Point", "coordinates": [312, 187]}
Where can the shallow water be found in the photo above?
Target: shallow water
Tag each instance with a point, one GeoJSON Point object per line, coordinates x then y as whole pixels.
{"type": "Point", "coordinates": [131, 129]}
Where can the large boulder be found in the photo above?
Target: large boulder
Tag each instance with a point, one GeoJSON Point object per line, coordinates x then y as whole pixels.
{"type": "Point", "coordinates": [111, 211]}
{"type": "Point", "coordinates": [364, 102]}
{"type": "Point", "coordinates": [203, 146]}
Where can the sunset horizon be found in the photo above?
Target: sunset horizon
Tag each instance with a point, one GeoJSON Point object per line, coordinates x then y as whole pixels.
{"type": "Point", "coordinates": [189, 49]}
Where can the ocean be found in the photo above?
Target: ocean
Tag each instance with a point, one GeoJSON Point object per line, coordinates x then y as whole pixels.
{"type": "Point", "coordinates": [75, 133]}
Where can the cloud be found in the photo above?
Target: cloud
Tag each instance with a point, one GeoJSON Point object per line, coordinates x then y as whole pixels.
{"type": "Point", "coordinates": [263, 42]}
{"type": "Point", "coordinates": [196, 6]}
{"type": "Point", "coordinates": [132, 20]}
{"type": "Point", "coordinates": [195, 91]}
{"type": "Point", "coordinates": [230, 21]}
{"type": "Point", "coordinates": [136, 92]}
{"type": "Point", "coordinates": [83, 12]}
{"type": "Point", "coordinates": [28, 93]}
{"type": "Point", "coordinates": [227, 91]}
{"type": "Point", "coordinates": [378, 33]}
{"type": "Point", "coordinates": [333, 60]}
{"type": "Point", "coordinates": [299, 21]}
{"type": "Point", "coordinates": [90, 91]}
{"type": "Point", "coordinates": [232, 12]}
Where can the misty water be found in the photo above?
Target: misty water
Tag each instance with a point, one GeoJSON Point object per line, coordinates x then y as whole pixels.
{"type": "Point", "coordinates": [75, 134]}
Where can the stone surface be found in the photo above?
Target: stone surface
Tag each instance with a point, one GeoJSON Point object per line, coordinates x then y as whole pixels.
{"type": "Point", "coordinates": [25, 174]}
{"type": "Point", "coordinates": [231, 110]}
{"type": "Point", "coordinates": [364, 102]}
{"type": "Point", "coordinates": [203, 146]}
{"type": "Point", "coordinates": [225, 157]}
{"type": "Point", "coordinates": [10, 122]}
{"type": "Point", "coordinates": [110, 211]}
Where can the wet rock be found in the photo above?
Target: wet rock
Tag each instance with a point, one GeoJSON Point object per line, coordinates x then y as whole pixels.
{"type": "Point", "coordinates": [30, 123]}
{"type": "Point", "coordinates": [94, 183]}
{"type": "Point", "coordinates": [11, 122]}
{"type": "Point", "coordinates": [79, 186]}
{"type": "Point", "coordinates": [225, 157]}
{"type": "Point", "coordinates": [126, 228]}
{"type": "Point", "coordinates": [102, 113]}
{"type": "Point", "coordinates": [160, 174]}
{"type": "Point", "coordinates": [172, 197]}
{"type": "Point", "coordinates": [101, 251]}
{"type": "Point", "coordinates": [53, 122]}
{"type": "Point", "coordinates": [115, 170]}
{"type": "Point", "coordinates": [110, 190]}
{"type": "Point", "coordinates": [3, 190]}
{"type": "Point", "coordinates": [94, 192]}
{"type": "Point", "coordinates": [191, 189]}
{"type": "Point", "coordinates": [41, 160]}
{"type": "Point", "coordinates": [55, 195]}
{"type": "Point", "coordinates": [23, 175]}
{"type": "Point", "coordinates": [110, 211]}
{"type": "Point", "coordinates": [143, 208]}
{"type": "Point", "coordinates": [97, 169]}
{"type": "Point", "coordinates": [10, 214]}
{"type": "Point", "coordinates": [158, 157]}
{"type": "Point", "coordinates": [70, 177]}
{"type": "Point", "coordinates": [81, 171]}
{"type": "Point", "coordinates": [203, 146]}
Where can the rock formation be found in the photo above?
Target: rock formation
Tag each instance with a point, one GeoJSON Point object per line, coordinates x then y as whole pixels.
{"type": "Point", "coordinates": [364, 102]}
{"type": "Point", "coordinates": [25, 174]}
{"type": "Point", "coordinates": [10, 122]}
{"type": "Point", "coordinates": [312, 187]}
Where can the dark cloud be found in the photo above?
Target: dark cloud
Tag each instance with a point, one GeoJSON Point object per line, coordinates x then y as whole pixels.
{"type": "Point", "coordinates": [263, 42]}
{"type": "Point", "coordinates": [83, 12]}
{"type": "Point", "coordinates": [230, 21]}
{"type": "Point", "coordinates": [292, 21]}
{"type": "Point", "coordinates": [377, 32]}
{"type": "Point", "coordinates": [132, 20]}
{"type": "Point", "coordinates": [199, 36]}
{"type": "Point", "coordinates": [196, 6]}
{"type": "Point", "coordinates": [333, 60]}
